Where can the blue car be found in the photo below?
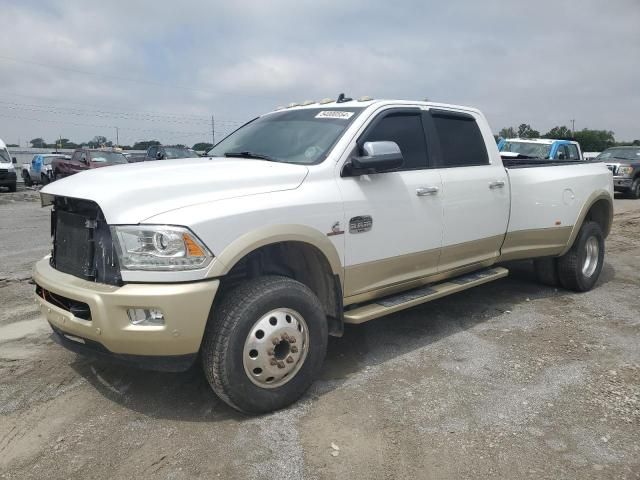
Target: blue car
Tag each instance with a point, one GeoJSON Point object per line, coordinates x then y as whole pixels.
{"type": "Point", "coordinates": [546, 148]}
{"type": "Point", "coordinates": [39, 170]}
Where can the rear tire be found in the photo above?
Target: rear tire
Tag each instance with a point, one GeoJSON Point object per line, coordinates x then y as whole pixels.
{"type": "Point", "coordinates": [248, 354]}
{"type": "Point", "coordinates": [580, 267]}
{"type": "Point", "coordinates": [13, 187]}
{"type": "Point", "coordinates": [44, 179]}
{"type": "Point", "coordinates": [27, 180]}
{"type": "Point", "coordinates": [547, 271]}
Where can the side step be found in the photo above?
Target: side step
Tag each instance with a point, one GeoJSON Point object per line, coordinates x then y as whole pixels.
{"type": "Point", "coordinates": [411, 298]}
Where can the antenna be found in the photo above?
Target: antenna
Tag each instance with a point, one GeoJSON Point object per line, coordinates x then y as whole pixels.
{"type": "Point", "coordinates": [342, 98]}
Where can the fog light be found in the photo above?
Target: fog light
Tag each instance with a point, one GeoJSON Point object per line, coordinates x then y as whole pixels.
{"type": "Point", "coordinates": [145, 316]}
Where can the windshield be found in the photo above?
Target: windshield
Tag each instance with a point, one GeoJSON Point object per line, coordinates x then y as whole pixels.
{"type": "Point", "coordinates": [302, 136]}
{"type": "Point", "coordinates": [538, 150]}
{"type": "Point", "coordinates": [620, 154]}
{"type": "Point", "coordinates": [178, 152]}
{"type": "Point", "coordinates": [4, 156]}
{"type": "Point", "coordinates": [107, 157]}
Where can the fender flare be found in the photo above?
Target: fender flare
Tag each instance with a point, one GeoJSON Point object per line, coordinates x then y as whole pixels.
{"type": "Point", "coordinates": [255, 239]}
{"type": "Point", "coordinates": [586, 207]}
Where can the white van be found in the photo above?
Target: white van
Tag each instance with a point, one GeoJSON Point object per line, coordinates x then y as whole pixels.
{"type": "Point", "coordinates": [7, 168]}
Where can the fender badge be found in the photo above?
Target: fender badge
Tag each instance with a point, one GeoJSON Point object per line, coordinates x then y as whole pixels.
{"type": "Point", "coordinates": [360, 224]}
{"type": "Point", "coordinates": [335, 230]}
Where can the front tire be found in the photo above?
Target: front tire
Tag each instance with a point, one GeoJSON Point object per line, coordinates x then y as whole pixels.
{"type": "Point", "coordinates": [580, 267]}
{"type": "Point", "coordinates": [265, 344]}
{"type": "Point", "coordinates": [634, 191]}
{"type": "Point", "coordinates": [27, 180]}
{"type": "Point", "coordinates": [44, 179]}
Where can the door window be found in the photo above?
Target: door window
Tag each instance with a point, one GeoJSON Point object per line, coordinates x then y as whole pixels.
{"type": "Point", "coordinates": [76, 156]}
{"type": "Point", "coordinates": [573, 152]}
{"type": "Point", "coordinates": [404, 128]}
{"type": "Point", "coordinates": [461, 143]}
{"type": "Point", "coordinates": [562, 153]}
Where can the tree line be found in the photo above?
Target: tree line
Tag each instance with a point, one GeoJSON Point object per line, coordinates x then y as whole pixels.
{"type": "Point", "coordinates": [100, 141]}
{"type": "Point", "coordinates": [589, 140]}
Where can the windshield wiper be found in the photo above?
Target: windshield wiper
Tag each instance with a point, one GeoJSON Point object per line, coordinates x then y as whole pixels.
{"type": "Point", "coordinates": [247, 154]}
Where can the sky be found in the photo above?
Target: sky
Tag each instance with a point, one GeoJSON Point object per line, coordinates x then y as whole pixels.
{"type": "Point", "coordinates": [160, 70]}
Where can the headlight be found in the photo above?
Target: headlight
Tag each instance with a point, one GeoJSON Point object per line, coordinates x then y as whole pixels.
{"type": "Point", "coordinates": [625, 170]}
{"type": "Point", "coordinates": [159, 247]}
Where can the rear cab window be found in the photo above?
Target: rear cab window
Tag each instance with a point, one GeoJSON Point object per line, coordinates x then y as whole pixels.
{"type": "Point", "coordinates": [460, 140]}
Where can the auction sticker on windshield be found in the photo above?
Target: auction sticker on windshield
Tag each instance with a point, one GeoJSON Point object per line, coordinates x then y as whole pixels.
{"type": "Point", "coordinates": [334, 114]}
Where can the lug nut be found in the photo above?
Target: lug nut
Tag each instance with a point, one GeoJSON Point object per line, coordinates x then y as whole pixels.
{"type": "Point", "coordinates": [292, 340]}
{"type": "Point", "coordinates": [273, 361]}
{"type": "Point", "coordinates": [271, 352]}
{"type": "Point", "coordinates": [275, 340]}
{"type": "Point", "coordinates": [280, 364]}
{"type": "Point", "coordinates": [289, 359]}
{"type": "Point", "coordinates": [294, 349]}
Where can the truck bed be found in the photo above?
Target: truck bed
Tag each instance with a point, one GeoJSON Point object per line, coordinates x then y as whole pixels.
{"type": "Point", "coordinates": [538, 162]}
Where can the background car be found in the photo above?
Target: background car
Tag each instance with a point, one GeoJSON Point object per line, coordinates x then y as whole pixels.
{"type": "Point", "coordinates": [39, 170]}
{"type": "Point", "coordinates": [85, 159]}
{"type": "Point", "coordinates": [158, 152]}
{"type": "Point", "coordinates": [624, 163]}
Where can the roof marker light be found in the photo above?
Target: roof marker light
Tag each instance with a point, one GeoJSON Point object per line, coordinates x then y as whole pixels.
{"type": "Point", "coordinates": [293, 104]}
{"type": "Point", "coordinates": [325, 100]}
{"type": "Point", "coordinates": [308, 102]}
{"type": "Point", "coordinates": [365, 99]}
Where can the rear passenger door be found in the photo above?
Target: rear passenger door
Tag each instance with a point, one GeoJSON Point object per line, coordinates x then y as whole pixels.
{"type": "Point", "coordinates": [393, 220]}
{"type": "Point", "coordinates": [475, 190]}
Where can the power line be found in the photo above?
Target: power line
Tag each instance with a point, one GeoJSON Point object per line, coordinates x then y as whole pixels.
{"type": "Point", "coordinates": [107, 114]}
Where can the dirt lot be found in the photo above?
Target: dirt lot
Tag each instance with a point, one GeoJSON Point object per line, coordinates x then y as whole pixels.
{"type": "Point", "coordinates": [509, 380]}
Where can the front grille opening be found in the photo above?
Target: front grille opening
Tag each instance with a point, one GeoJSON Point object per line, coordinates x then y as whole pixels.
{"type": "Point", "coordinates": [82, 243]}
{"type": "Point", "coordinates": [78, 309]}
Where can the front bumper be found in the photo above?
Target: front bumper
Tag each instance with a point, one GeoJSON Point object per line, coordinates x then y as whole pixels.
{"type": "Point", "coordinates": [107, 329]}
{"type": "Point", "coordinates": [7, 178]}
{"type": "Point", "coordinates": [622, 183]}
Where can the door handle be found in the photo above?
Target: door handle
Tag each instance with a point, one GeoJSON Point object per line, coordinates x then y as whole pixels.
{"type": "Point", "coordinates": [497, 184]}
{"type": "Point", "coordinates": [424, 191]}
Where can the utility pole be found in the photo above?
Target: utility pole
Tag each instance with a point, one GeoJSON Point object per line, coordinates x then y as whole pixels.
{"type": "Point", "coordinates": [573, 127]}
{"type": "Point", "coordinates": [213, 131]}
{"type": "Point", "coordinates": [117, 137]}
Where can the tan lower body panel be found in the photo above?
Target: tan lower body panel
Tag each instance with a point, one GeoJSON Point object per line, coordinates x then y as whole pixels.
{"type": "Point", "coordinates": [532, 243]}
{"type": "Point", "coordinates": [379, 308]}
{"type": "Point", "coordinates": [369, 280]}
{"type": "Point", "coordinates": [185, 307]}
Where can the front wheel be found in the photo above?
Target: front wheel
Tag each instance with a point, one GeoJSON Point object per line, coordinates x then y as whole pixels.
{"type": "Point", "coordinates": [265, 344]}
{"type": "Point", "coordinates": [44, 179]}
{"type": "Point", "coordinates": [580, 267]}
{"type": "Point", "coordinates": [27, 180]}
{"type": "Point", "coordinates": [634, 191]}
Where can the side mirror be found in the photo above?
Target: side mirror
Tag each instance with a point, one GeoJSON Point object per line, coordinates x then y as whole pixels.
{"type": "Point", "coordinates": [159, 156]}
{"type": "Point", "coordinates": [562, 156]}
{"type": "Point", "coordinates": [378, 157]}
{"type": "Point", "coordinates": [84, 160]}
{"type": "Point", "coordinates": [14, 160]}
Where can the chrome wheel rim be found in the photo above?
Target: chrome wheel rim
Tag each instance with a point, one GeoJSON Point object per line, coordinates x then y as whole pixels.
{"type": "Point", "coordinates": [276, 348]}
{"type": "Point", "coordinates": [592, 251]}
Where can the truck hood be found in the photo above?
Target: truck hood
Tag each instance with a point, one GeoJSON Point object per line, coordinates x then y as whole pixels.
{"type": "Point", "coordinates": [129, 194]}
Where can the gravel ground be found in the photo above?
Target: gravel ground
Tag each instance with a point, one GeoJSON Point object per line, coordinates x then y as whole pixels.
{"type": "Point", "coordinates": [508, 380]}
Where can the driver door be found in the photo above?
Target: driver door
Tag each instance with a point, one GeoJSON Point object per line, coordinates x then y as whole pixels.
{"type": "Point", "coordinates": [393, 231]}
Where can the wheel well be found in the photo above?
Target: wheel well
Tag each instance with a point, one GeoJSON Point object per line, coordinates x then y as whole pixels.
{"type": "Point", "coordinates": [302, 262]}
{"type": "Point", "coordinates": [601, 213]}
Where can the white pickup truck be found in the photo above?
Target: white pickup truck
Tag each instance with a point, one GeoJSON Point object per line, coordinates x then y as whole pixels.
{"type": "Point", "coordinates": [302, 220]}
